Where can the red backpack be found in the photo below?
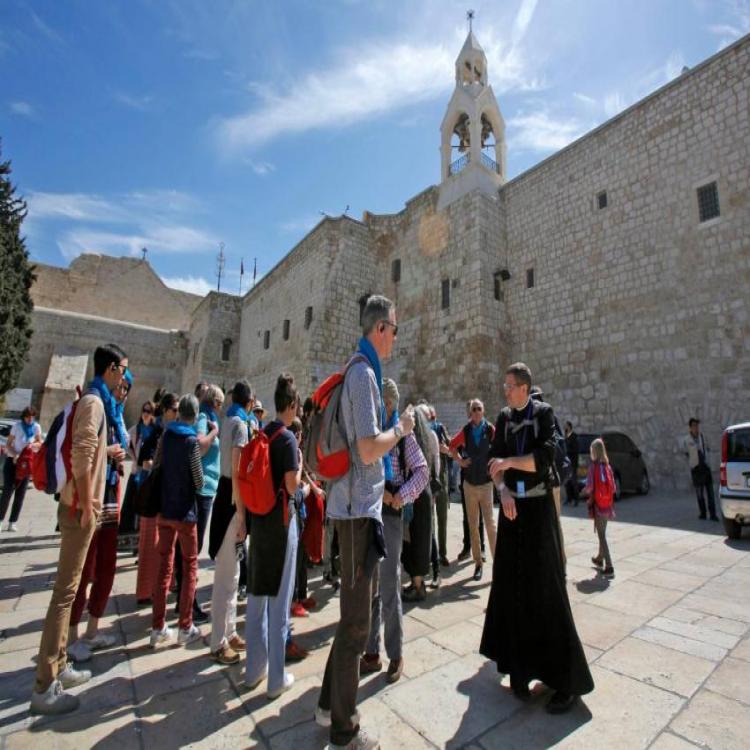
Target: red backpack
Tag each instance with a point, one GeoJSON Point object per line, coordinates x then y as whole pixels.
{"type": "Point", "coordinates": [326, 451]}
{"type": "Point", "coordinates": [604, 491]}
{"type": "Point", "coordinates": [254, 475]}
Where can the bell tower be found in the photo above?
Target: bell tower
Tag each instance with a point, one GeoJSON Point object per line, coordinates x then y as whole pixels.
{"type": "Point", "coordinates": [472, 134]}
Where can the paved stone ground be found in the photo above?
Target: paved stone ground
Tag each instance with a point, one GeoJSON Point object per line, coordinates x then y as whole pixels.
{"type": "Point", "coordinates": [667, 640]}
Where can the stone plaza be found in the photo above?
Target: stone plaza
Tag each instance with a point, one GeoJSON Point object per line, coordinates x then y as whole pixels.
{"type": "Point", "coordinates": [668, 641]}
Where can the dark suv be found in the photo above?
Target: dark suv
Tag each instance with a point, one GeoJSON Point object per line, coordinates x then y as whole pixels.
{"type": "Point", "coordinates": [628, 466]}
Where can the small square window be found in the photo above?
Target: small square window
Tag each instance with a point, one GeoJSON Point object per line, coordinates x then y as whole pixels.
{"type": "Point", "coordinates": [708, 202]}
{"type": "Point", "coordinates": [601, 200]}
{"type": "Point", "coordinates": [266, 339]}
{"type": "Point", "coordinates": [308, 317]}
{"type": "Point", "coordinates": [445, 291]}
{"type": "Point", "coordinates": [396, 270]}
{"type": "Point", "coordinates": [529, 278]}
{"type": "Point", "coordinates": [286, 330]}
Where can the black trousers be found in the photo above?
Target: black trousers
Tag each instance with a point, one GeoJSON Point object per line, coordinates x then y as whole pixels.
{"type": "Point", "coordinates": [9, 486]}
{"type": "Point", "coordinates": [704, 489]}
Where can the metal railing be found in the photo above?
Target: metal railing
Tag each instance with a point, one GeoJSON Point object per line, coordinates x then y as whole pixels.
{"type": "Point", "coordinates": [459, 164]}
{"type": "Point", "coordinates": [490, 163]}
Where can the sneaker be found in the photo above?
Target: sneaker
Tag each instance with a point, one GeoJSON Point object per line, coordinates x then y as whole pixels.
{"type": "Point", "coordinates": [436, 581]}
{"type": "Point", "coordinates": [609, 572]}
{"type": "Point", "coordinates": [241, 593]}
{"type": "Point", "coordinates": [72, 677]}
{"type": "Point", "coordinates": [395, 670]}
{"type": "Point", "coordinates": [225, 655]}
{"type": "Point", "coordinates": [298, 610]}
{"type": "Point", "coordinates": [295, 652]}
{"type": "Point", "coordinates": [53, 701]}
{"type": "Point", "coordinates": [560, 703]}
{"type": "Point", "coordinates": [13, 527]}
{"type": "Point", "coordinates": [98, 642]}
{"type": "Point", "coordinates": [309, 603]}
{"type": "Point", "coordinates": [361, 741]}
{"type": "Point", "coordinates": [79, 651]}
{"type": "Point", "coordinates": [477, 573]}
{"type": "Point", "coordinates": [159, 637]}
{"type": "Point", "coordinates": [188, 635]}
{"type": "Point", "coordinates": [237, 643]}
{"type": "Point", "coordinates": [464, 554]}
{"type": "Point", "coordinates": [286, 685]}
{"type": "Point", "coordinates": [200, 617]}
{"type": "Point", "coordinates": [370, 664]}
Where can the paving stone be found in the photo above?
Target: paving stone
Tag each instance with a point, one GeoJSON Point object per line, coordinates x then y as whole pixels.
{"type": "Point", "coordinates": [732, 680]}
{"type": "Point", "coordinates": [667, 741]}
{"type": "Point", "coordinates": [669, 579]}
{"type": "Point", "coordinates": [657, 665]}
{"type": "Point", "coordinates": [695, 632]}
{"type": "Point", "coordinates": [462, 638]}
{"type": "Point", "coordinates": [711, 720]}
{"type": "Point", "coordinates": [635, 598]}
{"type": "Point", "coordinates": [681, 643]}
{"type": "Point", "coordinates": [602, 628]}
{"type": "Point", "coordinates": [733, 610]}
{"type": "Point", "coordinates": [423, 655]}
{"type": "Point", "coordinates": [742, 651]}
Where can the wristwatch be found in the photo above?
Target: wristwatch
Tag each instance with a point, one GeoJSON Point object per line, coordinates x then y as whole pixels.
{"type": "Point", "coordinates": [397, 431]}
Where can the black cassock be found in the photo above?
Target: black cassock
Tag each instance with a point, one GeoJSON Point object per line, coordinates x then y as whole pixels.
{"type": "Point", "coordinates": [529, 630]}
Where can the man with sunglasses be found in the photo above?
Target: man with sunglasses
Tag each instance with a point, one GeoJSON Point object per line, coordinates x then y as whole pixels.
{"type": "Point", "coordinates": [529, 629]}
{"type": "Point", "coordinates": [473, 441]}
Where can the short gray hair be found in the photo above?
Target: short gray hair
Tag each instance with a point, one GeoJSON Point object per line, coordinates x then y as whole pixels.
{"type": "Point", "coordinates": [213, 394]}
{"type": "Point", "coordinates": [377, 308]}
{"type": "Point", "coordinates": [188, 408]}
{"type": "Point", "coordinates": [390, 392]}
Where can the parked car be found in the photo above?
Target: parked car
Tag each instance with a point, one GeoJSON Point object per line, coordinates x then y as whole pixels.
{"type": "Point", "coordinates": [734, 479]}
{"type": "Point", "coordinates": [6, 425]}
{"type": "Point", "coordinates": [628, 466]}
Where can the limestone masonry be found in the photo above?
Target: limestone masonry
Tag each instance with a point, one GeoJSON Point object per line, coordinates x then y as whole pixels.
{"type": "Point", "coordinates": [617, 269]}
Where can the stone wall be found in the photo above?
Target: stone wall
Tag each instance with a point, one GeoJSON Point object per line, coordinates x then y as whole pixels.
{"type": "Point", "coordinates": [638, 318]}
{"type": "Point", "coordinates": [157, 357]}
{"type": "Point", "coordinates": [116, 288]}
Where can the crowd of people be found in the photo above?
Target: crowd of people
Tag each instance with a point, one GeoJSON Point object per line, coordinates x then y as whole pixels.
{"type": "Point", "coordinates": [387, 511]}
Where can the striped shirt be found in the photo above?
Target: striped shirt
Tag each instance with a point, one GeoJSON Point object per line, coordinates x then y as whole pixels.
{"type": "Point", "coordinates": [416, 465]}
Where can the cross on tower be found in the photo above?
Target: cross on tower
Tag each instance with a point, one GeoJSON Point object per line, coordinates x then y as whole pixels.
{"type": "Point", "coordinates": [470, 17]}
{"type": "Point", "coordinates": [144, 250]}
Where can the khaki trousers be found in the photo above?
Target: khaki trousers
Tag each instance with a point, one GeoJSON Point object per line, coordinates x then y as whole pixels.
{"type": "Point", "coordinates": [74, 545]}
{"type": "Point", "coordinates": [479, 499]}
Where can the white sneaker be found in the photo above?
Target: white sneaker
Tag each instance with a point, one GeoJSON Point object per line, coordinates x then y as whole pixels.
{"type": "Point", "coordinates": [53, 701]}
{"type": "Point", "coordinates": [160, 636]}
{"type": "Point", "coordinates": [12, 527]}
{"type": "Point", "coordinates": [79, 651]}
{"type": "Point", "coordinates": [99, 641]}
{"type": "Point", "coordinates": [72, 677]}
{"type": "Point", "coordinates": [361, 741]}
{"type": "Point", "coordinates": [193, 633]}
{"type": "Point", "coordinates": [286, 685]}
{"type": "Point", "coordinates": [323, 717]}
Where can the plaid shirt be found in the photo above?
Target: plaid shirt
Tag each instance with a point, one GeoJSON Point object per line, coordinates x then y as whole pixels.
{"type": "Point", "coordinates": [416, 463]}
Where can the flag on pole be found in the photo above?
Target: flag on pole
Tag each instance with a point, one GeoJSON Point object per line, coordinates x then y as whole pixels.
{"type": "Point", "coordinates": [242, 272]}
{"type": "Point", "coordinates": [255, 269]}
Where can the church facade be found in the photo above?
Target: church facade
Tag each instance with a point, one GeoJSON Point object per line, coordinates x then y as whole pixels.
{"type": "Point", "coordinates": [618, 269]}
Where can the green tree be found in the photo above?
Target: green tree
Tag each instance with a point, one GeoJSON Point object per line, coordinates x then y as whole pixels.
{"type": "Point", "coordinates": [16, 278]}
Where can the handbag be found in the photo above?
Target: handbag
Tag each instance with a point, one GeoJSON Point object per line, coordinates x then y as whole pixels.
{"type": "Point", "coordinates": [148, 496]}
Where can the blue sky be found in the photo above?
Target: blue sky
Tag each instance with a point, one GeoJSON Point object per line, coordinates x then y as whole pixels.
{"type": "Point", "coordinates": [177, 125]}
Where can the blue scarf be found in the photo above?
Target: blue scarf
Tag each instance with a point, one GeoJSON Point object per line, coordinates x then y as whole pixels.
{"type": "Point", "coordinates": [144, 431]}
{"type": "Point", "coordinates": [477, 430]}
{"type": "Point", "coordinates": [365, 348]}
{"type": "Point", "coordinates": [387, 460]}
{"type": "Point", "coordinates": [235, 410]}
{"type": "Point", "coordinates": [210, 413]}
{"type": "Point", "coordinates": [28, 429]}
{"type": "Point", "coordinates": [120, 425]}
{"type": "Point", "coordinates": [110, 406]}
{"type": "Point", "coordinates": [180, 428]}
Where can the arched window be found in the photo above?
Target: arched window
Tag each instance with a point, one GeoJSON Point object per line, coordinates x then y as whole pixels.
{"type": "Point", "coordinates": [226, 350]}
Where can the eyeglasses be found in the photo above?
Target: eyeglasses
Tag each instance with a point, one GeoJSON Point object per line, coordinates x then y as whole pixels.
{"type": "Point", "coordinates": [476, 408]}
{"type": "Point", "coordinates": [120, 367]}
{"type": "Point", "coordinates": [392, 325]}
{"type": "Point", "coordinates": [148, 411]}
{"type": "Point", "coordinates": [509, 386]}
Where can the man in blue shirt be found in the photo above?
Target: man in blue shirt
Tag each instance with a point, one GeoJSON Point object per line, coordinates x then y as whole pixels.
{"type": "Point", "coordinates": [355, 504]}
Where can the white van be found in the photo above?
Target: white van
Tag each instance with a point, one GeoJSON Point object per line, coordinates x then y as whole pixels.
{"type": "Point", "coordinates": [734, 481]}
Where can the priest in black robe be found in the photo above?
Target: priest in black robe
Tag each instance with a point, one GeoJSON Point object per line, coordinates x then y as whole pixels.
{"type": "Point", "coordinates": [529, 630]}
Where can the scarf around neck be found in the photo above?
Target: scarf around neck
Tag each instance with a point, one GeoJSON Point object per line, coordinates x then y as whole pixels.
{"type": "Point", "coordinates": [365, 348]}
{"type": "Point", "coordinates": [98, 385]}
{"type": "Point", "coordinates": [28, 429]}
{"type": "Point", "coordinates": [210, 413]}
{"type": "Point", "coordinates": [477, 430]}
{"type": "Point", "coordinates": [180, 428]}
{"type": "Point", "coordinates": [235, 410]}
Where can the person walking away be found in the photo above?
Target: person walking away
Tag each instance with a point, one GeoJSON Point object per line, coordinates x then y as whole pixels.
{"type": "Point", "coordinates": [355, 503]}
{"type": "Point", "coordinates": [77, 513]}
{"type": "Point", "coordinates": [529, 630]}
{"type": "Point", "coordinates": [25, 435]}
{"type": "Point", "coordinates": [406, 476]}
{"type": "Point", "coordinates": [474, 440]}
{"type": "Point", "coordinates": [226, 543]}
{"type": "Point", "coordinates": [273, 553]}
{"type": "Point", "coordinates": [696, 451]}
{"type": "Point", "coordinates": [600, 491]}
{"type": "Point", "coordinates": [182, 478]}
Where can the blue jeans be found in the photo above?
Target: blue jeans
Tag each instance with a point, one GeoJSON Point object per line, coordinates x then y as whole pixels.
{"type": "Point", "coordinates": [267, 621]}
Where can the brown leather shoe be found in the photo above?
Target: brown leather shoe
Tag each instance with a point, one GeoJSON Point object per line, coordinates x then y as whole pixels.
{"type": "Point", "coordinates": [395, 669]}
{"type": "Point", "coordinates": [370, 664]}
{"type": "Point", "coordinates": [237, 643]}
{"type": "Point", "coordinates": [225, 655]}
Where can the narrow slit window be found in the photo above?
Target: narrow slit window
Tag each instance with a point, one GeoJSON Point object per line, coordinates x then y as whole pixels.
{"type": "Point", "coordinates": [497, 286]}
{"type": "Point", "coordinates": [286, 330]}
{"type": "Point", "coordinates": [266, 339]}
{"type": "Point", "coordinates": [529, 278]}
{"type": "Point", "coordinates": [601, 200]}
{"type": "Point", "coordinates": [308, 317]}
{"type": "Point", "coordinates": [445, 294]}
{"type": "Point", "coordinates": [396, 271]}
{"type": "Point", "coordinates": [226, 350]}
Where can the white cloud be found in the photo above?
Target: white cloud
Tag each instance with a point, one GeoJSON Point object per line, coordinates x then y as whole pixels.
{"type": "Point", "coordinates": [139, 103]}
{"type": "Point", "coordinates": [614, 103]}
{"type": "Point", "coordinates": [192, 284]}
{"type": "Point", "coordinates": [584, 98]}
{"type": "Point", "coordinates": [373, 78]}
{"type": "Point", "coordinates": [45, 29]}
{"type": "Point", "coordinates": [736, 25]}
{"type": "Point", "coordinates": [540, 132]}
{"type": "Point", "coordinates": [23, 109]}
{"type": "Point", "coordinates": [74, 206]}
{"type": "Point", "coordinates": [261, 168]}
